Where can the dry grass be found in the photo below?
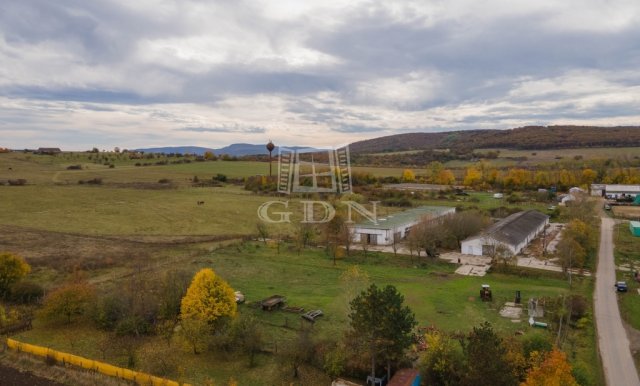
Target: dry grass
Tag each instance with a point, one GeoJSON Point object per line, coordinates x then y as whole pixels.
{"type": "Point", "coordinates": [628, 212]}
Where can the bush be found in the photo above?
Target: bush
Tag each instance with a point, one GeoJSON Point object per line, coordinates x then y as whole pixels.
{"type": "Point", "coordinates": [74, 167]}
{"type": "Point", "coordinates": [26, 292]}
{"type": "Point", "coordinates": [18, 182]}
{"type": "Point", "coordinates": [164, 181]}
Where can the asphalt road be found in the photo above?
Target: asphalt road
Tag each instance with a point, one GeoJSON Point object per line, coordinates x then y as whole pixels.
{"type": "Point", "coordinates": [617, 361]}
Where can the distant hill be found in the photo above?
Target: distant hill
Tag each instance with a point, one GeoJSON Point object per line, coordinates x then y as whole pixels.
{"type": "Point", "coordinates": [236, 149]}
{"type": "Point", "coordinates": [528, 137]}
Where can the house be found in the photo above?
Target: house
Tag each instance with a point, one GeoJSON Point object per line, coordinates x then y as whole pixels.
{"type": "Point", "coordinates": [614, 190]}
{"type": "Point", "coordinates": [513, 233]}
{"type": "Point", "coordinates": [48, 150]}
{"type": "Point", "coordinates": [395, 226]}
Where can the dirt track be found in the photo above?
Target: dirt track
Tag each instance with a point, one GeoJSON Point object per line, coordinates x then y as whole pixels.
{"type": "Point", "coordinates": [13, 377]}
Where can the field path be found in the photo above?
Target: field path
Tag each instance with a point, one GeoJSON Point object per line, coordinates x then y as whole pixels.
{"type": "Point", "coordinates": [617, 362]}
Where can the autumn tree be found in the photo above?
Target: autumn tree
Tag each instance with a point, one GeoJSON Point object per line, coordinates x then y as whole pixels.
{"type": "Point", "coordinates": [208, 155]}
{"type": "Point", "coordinates": [209, 298]}
{"type": "Point", "coordinates": [408, 175]}
{"type": "Point", "coordinates": [551, 369]}
{"type": "Point", "coordinates": [441, 362]}
{"type": "Point", "coordinates": [69, 301]}
{"type": "Point", "coordinates": [473, 177]}
{"type": "Point", "coordinates": [382, 324]}
{"type": "Point", "coordinates": [12, 269]}
{"type": "Point", "coordinates": [445, 177]}
{"type": "Point", "coordinates": [196, 333]}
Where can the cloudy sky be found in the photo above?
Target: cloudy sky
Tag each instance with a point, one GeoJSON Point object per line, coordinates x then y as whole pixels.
{"type": "Point", "coordinates": [78, 73]}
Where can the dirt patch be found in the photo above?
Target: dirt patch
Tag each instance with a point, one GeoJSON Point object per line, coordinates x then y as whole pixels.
{"type": "Point", "coordinates": [65, 251]}
{"type": "Point", "coordinates": [13, 377]}
{"type": "Point", "coordinates": [630, 212]}
{"type": "Point", "coordinates": [634, 343]}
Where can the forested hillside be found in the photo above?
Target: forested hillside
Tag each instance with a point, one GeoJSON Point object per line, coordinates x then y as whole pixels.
{"type": "Point", "coordinates": [529, 137]}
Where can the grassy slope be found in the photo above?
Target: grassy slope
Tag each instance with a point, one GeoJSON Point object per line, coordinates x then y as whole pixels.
{"type": "Point", "coordinates": [309, 280]}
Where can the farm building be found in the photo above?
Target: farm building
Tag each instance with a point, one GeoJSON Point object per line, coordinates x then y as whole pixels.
{"type": "Point", "coordinates": [634, 227]}
{"type": "Point", "coordinates": [514, 233]}
{"type": "Point", "coordinates": [614, 191]}
{"type": "Point", "coordinates": [48, 150]}
{"type": "Point", "coordinates": [396, 226]}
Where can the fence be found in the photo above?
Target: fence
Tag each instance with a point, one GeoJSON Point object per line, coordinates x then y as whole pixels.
{"type": "Point", "coordinates": [89, 364]}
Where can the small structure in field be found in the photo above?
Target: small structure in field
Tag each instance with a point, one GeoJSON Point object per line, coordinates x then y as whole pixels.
{"type": "Point", "coordinates": [405, 377]}
{"type": "Point", "coordinates": [510, 234]}
{"type": "Point", "coordinates": [48, 150]}
{"type": "Point", "coordinates": [634, 227]}
{"type": "Point", "coordinates": [272, 302]}
{"type": "Point", "coordinates": [397, 226]}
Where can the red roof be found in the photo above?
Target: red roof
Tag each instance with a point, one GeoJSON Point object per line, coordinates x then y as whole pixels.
{"type": "Point", "coordinates": [403, 377]}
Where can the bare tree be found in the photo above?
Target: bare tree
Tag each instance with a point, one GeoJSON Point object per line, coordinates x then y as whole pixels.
{"type": "Point", "coordinates": [263, 231]}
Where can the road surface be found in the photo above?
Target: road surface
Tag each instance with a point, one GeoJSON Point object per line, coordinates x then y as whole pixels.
{"type": "Point", "coordinates": [617, 361]}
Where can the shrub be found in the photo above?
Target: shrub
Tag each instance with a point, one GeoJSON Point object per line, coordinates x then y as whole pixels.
{"type": "Point", "coordinates": [18, 182]}
{"type": "Point", "coordinates": [74, 167]}
{"type": "Point", "coordinates": [164, 181]}
{"type": "Point", "coordinates": [26, 292]}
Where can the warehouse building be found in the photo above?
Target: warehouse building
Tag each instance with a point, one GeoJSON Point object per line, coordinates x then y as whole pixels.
{"type": "Point", "coordinates": [513, 233]}
{"type": "Point", "coordinates": [396, 226]}
{"type": "Point", "coordinates": [614, 190]}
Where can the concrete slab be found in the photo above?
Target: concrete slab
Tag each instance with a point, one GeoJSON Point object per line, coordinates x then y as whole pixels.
{"type": "Point", "coordinates": [511, 312]}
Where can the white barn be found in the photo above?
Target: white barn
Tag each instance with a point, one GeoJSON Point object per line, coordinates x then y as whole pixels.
{"type": "Point", "coordinates": [614, 190]}
{"type": "Point", "coordinates": [514, 233]}
{"type": "Point", "coordinates": [396, 226]}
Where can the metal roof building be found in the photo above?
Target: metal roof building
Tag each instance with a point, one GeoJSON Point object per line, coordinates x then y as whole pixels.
{"type": "Point", "coordinates": [614, 190]}
{"type": "Point", "coordinates": [514, 233]}
{"type": "Point", "coordinates": [396, 226]}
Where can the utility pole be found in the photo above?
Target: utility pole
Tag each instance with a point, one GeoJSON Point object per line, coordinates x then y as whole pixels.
{"type": "Point", "coordinates": [270, 147]}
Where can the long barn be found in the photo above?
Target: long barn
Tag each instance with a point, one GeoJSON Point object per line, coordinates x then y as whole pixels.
{"type": "Point", "coordinates": [396, 226]}
{"type": "Point", "coordinates": [513, 233]}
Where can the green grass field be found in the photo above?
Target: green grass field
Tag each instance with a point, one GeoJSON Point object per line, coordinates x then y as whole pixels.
{"type": "Point", "coordinates": [627, 252]}
{"type": "Point", "coordinates": [129, 224]}
{"type": "Point", "coordinates": [436, 295]}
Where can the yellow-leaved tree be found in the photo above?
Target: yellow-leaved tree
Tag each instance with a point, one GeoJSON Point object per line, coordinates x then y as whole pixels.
{"type": "Point", "coordinates": [208, 298]}
{"type": "Point", "coordinates": [408, 175]}
{"type": "Point", "coordinates": [12, 269]}
{"type": "Point", "coordinates": [552, 369]}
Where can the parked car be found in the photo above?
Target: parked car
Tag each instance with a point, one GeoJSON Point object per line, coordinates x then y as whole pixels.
{"type": "Point", "coordinates": [621, 286]}
{"type": "Point", "coordinates": [312, 315]}
{"type": "Point", "coordinates": [239, 297]}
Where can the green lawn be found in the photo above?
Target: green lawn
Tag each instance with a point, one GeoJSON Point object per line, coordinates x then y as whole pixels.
{"type": "Point", "coordinates": [310, 280]}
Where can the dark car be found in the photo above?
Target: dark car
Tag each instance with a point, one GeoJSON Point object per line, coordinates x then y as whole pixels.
{"type": "Point", "coordinates": [621, 286]}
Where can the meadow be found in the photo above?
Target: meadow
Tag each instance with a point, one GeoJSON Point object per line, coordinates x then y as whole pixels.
{"type": "Point", "coordinates": [131, 224]}
{"type": "Point", "coordinates": [436, 295]}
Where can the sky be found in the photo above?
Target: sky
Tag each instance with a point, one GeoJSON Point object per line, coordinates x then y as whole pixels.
{"type": "Point", "coordinates": [78, 74]}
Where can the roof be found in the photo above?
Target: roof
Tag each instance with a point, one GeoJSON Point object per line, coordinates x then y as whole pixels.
{"type": "Point", "coordinates": [406, 217]}
{"type": "Point", "coordinates": [404, 377]}
{"type": "Point", "coordinates": [622, 188]}
{"type": "Point", "coordinates": [635, 224]}
{"type": "Point", "coordinates": [516, 228]}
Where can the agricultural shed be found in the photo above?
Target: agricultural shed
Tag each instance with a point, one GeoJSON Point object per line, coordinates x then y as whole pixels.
{"type": "Point", "coordinates": [513, 233]}
{"type": "Point", "coordinates": [614, 190]}
{"type": "Point", "coordinates": [396, 226]}
{"type": "Point", "coordinates": [634, 227]}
